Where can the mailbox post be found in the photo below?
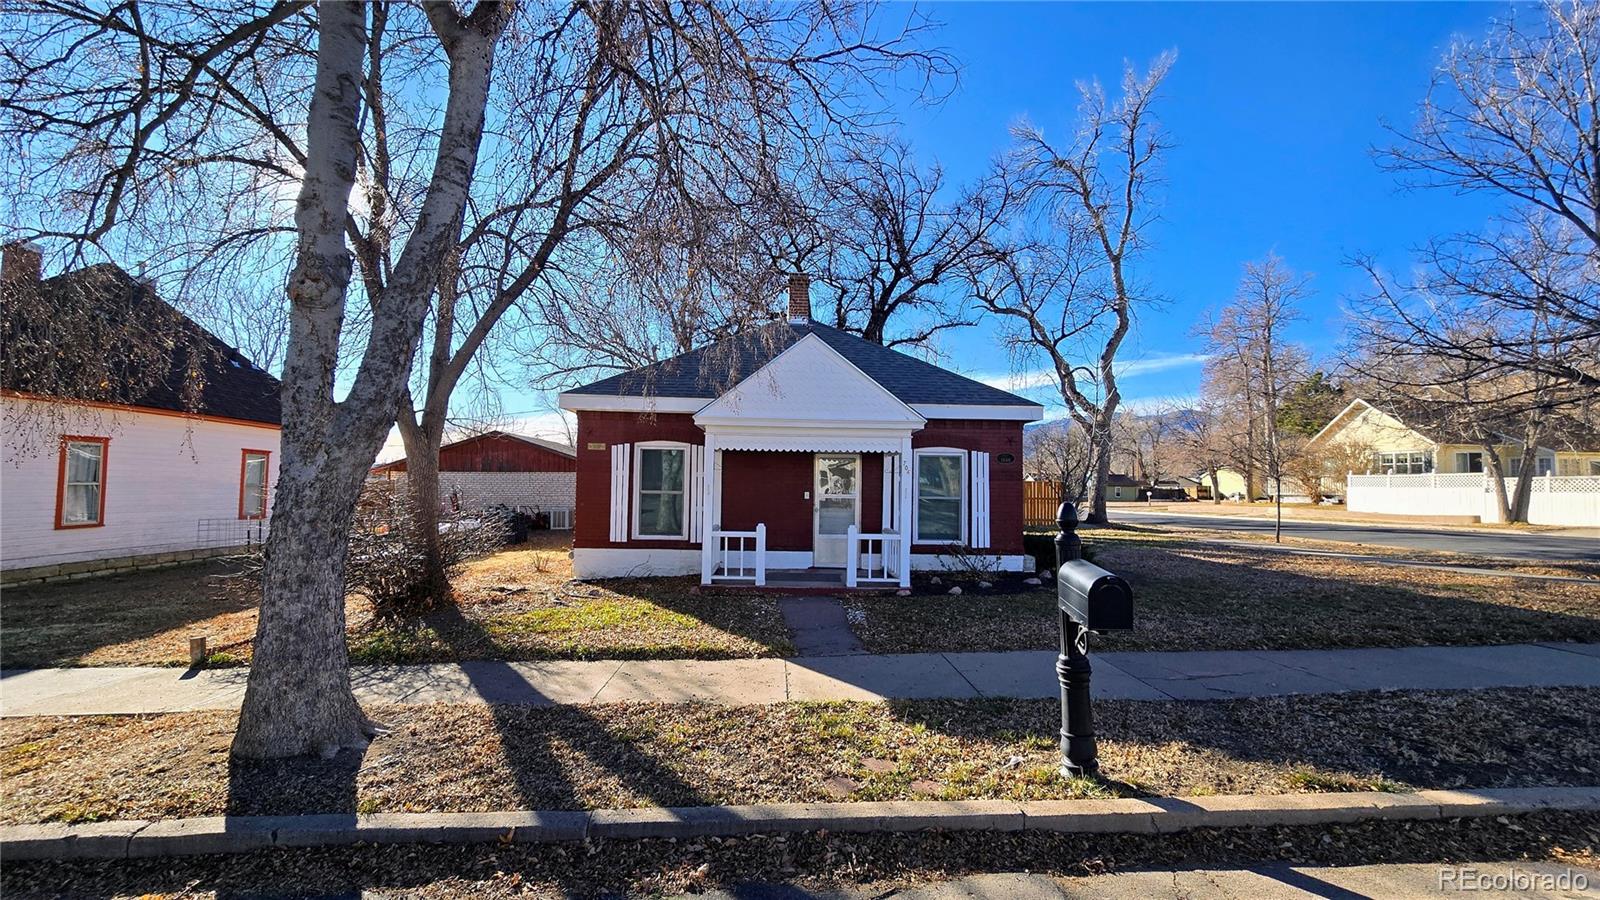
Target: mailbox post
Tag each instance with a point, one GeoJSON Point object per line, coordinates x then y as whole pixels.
{"type": "Point", "coordinates": [1088, 598]}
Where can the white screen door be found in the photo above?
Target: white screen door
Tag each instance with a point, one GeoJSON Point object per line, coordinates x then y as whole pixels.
{"type": "Point", "coordinates": [837, 506]}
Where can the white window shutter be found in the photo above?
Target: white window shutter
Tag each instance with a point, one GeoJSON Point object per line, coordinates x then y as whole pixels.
{"type": "Point", "coordinates": [695, 491]}
{"type": "Point", "coordinates": [621, 459]}
{"type": "Point", "coordinates": [980, 501]}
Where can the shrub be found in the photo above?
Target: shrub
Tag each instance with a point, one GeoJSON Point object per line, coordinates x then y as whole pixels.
{"type": "Point", "coordinates": [387, 559]}
{"type": "Point", "coordinates": [1042, 547]}
{"type": "Point", "coordinates": [386, 562]}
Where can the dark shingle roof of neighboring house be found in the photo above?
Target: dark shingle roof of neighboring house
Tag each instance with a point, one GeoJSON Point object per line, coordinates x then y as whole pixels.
{"type": "Point", "coordinates": [1117, 480]}
{"type": "Point", "coordinates": [711, 370]}
{"type": "Point", "coordinates": [203, 375]}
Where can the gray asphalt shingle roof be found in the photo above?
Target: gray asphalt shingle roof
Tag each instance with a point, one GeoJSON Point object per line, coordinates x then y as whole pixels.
{"type": "Point", "coordinates": [710, 371]}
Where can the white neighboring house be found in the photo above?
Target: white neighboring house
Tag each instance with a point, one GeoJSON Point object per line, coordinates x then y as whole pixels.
{"type": "Point", "coordinates": [119, 482]}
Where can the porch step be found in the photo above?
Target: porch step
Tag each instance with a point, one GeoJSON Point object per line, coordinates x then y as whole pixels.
{"type": "Point", "coordinates": [819, 627]}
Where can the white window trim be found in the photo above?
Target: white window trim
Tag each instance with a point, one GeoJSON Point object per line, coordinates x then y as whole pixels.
{"type": "Point", "coordinates": [638, 489]}
{"type": "Point", "coordinates": [916, 494]}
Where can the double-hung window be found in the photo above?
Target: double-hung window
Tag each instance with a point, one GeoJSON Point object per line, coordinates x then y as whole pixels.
{"type": "Point", "coordinates": [253, 484]}
{"type": "Point", "coordinates": [941, 496]}
{"type": "Point", "coordinates": [660, 502]}
{"type": "Point", "coordinates": [81, 482]}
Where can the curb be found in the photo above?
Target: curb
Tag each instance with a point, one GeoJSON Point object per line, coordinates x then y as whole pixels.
{"type": "Point", "coordinates": [1156, 815]}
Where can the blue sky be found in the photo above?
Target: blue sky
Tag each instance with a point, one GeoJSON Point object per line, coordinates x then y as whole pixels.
{"type": "Point", "coordinates": [1274, 109]}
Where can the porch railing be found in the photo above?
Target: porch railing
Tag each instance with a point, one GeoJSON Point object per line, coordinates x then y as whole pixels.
{"type": "Point", "coordinates": [743, 555]}
{"type": "Point", "coordinates": [871, 558]}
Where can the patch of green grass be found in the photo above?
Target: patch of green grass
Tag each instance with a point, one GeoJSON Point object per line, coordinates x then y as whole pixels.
{"type": "Point", "coordinates": [587, 617]}
{"type": "Point", "coordinates": [77, 813]}
{"type": "Point", "coordinates": [1313, 781]}
{"type": "Point", "coordinates": [392, 645]}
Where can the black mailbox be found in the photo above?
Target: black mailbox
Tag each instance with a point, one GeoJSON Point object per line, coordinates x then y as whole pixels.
{"type": "Point", "coordinates": [1093, 597]}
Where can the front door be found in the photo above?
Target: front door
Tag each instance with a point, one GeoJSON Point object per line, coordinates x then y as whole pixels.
{"type": "Point", "coordinates": [836, 506]}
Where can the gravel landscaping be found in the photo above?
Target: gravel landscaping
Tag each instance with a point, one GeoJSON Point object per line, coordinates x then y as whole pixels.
{"type": "Point", "coordinates": [520, 604]}
{"type": "Point", "coordinates": [1192, 595]}
{"type": "Point", "coordinates": [880, 864]}
{"type": "Point", "coordinates": [473, 758]}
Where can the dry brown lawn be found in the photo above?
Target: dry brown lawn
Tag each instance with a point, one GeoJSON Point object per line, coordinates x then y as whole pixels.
{"type": "Point", "coordinates": [519, 604]}
{"type": "Point", "coordinates": [474, 757]}
{"type": "Point", "coordinates": [1190, 594]}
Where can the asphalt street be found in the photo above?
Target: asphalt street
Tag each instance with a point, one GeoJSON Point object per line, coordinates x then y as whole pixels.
{"type": "Point", "coordinates": [1504, 545]}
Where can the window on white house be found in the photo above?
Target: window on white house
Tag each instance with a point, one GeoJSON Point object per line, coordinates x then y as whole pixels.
{"type": "Point", "coordinates": [941, 505]}
{"type": "Point", "coordinates": [1411, 463]}
{"type": "Point", "coordinates": [81, 494]}
{"type": "Point", "coordinates": [1469, 462]}
{"type": "Point", "coordinates": [253, 485]}
{"type": "Point", "coordinates": [659, 505]}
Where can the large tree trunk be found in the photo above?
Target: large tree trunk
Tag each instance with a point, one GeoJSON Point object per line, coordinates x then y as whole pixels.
{"type": "Point", "coordinates": [1099, 471]}
{"type": "Point", "coordinates": [422, 445]}
{"type": "Point", "coordinates": [298, 699]}
{"type": "Point", "coordinates": [1497, 479]}
{"type": "Point", "coordinates": [1216, 487]}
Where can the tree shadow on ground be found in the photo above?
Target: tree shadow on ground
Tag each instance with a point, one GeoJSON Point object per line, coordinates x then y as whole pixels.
{"type": "Point", "coordinates": [823, 863]}
{"type": "Point", "coordinates": [58, 624]}
{"type": "Point", "coordinates": [1497, 738]}
{"type": "Point", "coordinates": [538, 748]}
{"type": "Point", "coordinates": [1183, 602]}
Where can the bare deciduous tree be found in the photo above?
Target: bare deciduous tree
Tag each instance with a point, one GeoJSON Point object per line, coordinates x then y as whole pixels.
{"type": "Point", "coordinates": [1253, 364]}
{"type": "Point", "coordinates": [186, 128]}
{"type": "Point", "coordinates": [1501, 330]}
{"type": "Point", "coordinates": [1057, 452]}
{"type": "Point", "coordinates": [895, 241]}
{"type": "Point", "coordinates": [1069, 296]}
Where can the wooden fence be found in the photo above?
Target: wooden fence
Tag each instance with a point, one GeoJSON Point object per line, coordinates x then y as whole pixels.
{"type": "Point", "coordinates": [1039, 502]}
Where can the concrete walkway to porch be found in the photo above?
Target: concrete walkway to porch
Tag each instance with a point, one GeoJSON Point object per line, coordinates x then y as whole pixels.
{"type": "Point", "coordinates": [1204, 675]}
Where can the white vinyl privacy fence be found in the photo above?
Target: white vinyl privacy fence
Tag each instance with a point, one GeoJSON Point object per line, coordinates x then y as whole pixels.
{"type": "Point", "coordinates": [1553, 500]}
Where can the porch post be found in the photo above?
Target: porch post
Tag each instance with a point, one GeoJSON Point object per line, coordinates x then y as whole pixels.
{"type": "Point", "coordinates": [908, 488]}
{"type": "Point", "coordinates": [710, 511]}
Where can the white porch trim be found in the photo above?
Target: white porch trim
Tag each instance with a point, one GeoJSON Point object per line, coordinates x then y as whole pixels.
{"type": "Point", "coordinates": [624, 562]}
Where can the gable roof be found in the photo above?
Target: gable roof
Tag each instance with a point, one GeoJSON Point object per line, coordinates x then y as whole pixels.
{"type": "Point", "coordinates": [552, 446]}
{"type": "Point", "coordinates": [399, 465]}
{"type": "Point", "coordinates": [708, 372]}
{"type": "Point", "coordinates": [1441, 422]}
{"type": "Point", "coordinates": [804, 383]}
{"type": "Point", "coordinates": [222, 382]}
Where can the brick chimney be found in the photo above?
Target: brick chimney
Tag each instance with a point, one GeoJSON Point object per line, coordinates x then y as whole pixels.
{"type": "Point", "coordinates": [799, 299]}
{"type": "Point", "coordinates": [22, 262]}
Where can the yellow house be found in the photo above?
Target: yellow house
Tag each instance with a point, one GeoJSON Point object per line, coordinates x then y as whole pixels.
{"type": "Point", "coordinates": [1231, 484]}
{"type": "Point", "coordinates": [1362, 432]}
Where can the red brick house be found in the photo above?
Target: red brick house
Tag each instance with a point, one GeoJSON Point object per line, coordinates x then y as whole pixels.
{"type": "Point", "coordinates": [795, 447]}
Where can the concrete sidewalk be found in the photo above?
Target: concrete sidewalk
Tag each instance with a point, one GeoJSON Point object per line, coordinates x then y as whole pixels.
{"type": "Point", "coordinates": [1206, 675]}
